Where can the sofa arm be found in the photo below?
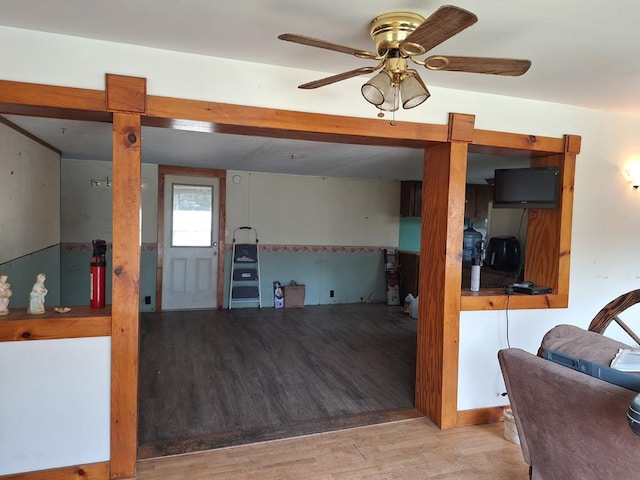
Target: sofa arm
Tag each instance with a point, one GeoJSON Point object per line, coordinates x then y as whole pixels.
{"type": "Point", "coordinates": [571, 425]}
{"type": "Point", "coordinates": [580, 343]}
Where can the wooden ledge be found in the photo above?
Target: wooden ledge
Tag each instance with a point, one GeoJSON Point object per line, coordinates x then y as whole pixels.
{"type": "Point", "coordinates": [81, 321]}
{"type": "Point", "coordinates": [497, 299]}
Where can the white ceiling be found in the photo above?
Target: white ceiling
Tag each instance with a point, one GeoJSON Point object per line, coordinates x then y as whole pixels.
{"type": "Point", "coordinates": [583, 53]}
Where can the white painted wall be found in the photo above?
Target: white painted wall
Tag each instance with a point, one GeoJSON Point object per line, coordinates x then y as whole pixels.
{"type": "Point", "coordinates": [91, 215]}
{"type": "Point", "coordinates": [54, 403]}
{"type": "Point", "coordinates": [305, 210]}
{"type": "Point", "coordinates": [30, 189]}
{"type": "Point", "coordinates": [606, 223]}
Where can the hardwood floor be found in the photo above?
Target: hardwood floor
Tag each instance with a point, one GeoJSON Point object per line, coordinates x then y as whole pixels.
{"type": "Point", "coordinates": [211, 379]}
{"type": "Point", "coordinates": [405, 450]}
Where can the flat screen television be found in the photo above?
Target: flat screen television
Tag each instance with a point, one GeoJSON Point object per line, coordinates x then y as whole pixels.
{"type": "Point", "coordinates": [535, 187]}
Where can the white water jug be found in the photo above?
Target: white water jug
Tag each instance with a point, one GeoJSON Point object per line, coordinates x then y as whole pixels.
{"type": "Point", "coordinates": [414, 307]}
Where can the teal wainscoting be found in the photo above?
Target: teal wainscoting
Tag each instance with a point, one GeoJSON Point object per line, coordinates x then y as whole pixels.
{"type": "Point", "coordinates": [75, 275]}
{"type": "Point", "coordinates": [354, 274]}
{"type": "Point", "coordinates": [22, 274]}
{"type": "Point", "coordinates": [409, 234]}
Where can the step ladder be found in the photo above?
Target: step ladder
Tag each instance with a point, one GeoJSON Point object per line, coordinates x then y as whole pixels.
{"type": "Point", "coordinates": [244, 285]}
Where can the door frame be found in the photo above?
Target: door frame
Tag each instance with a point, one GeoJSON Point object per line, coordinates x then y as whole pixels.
{"type": "Point", "coordinates": [163, 171]}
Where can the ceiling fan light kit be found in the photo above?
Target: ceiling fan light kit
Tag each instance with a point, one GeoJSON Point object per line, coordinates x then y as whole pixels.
{"type": "Point", "coordinates": [403, 36]}
{"type": "Point", "coordinates": [412, 91]}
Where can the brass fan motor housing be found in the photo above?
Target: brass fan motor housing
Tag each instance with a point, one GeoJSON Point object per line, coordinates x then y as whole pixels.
{"type": "Point", "coordinates": [389, 30]}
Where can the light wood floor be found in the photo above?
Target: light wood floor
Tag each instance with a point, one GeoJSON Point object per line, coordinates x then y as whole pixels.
{"type": "Point", "coordinates": [405, 450]}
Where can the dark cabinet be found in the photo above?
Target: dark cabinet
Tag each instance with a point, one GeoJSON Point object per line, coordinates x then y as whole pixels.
{"type": "Point", "coordinates": [409, 273]}
{"type": "Point", "coordinates": [477, 198]}
{"type": "Point", "coordinates": [410, 198]}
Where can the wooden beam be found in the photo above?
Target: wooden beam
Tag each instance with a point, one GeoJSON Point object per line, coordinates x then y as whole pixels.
{"type": "Point", "coordinates": [51, 96]}
{"type": "Point", "coordinates": [125, 293]}
{"type": "Point", "coordinates": [488, 141]}
{"type": "Point", "coordinates": [443, 201]}
{"type": "Point", "coordinates": [548, 250]}
{"type": "Point", "coordinates": [443, 198]}
{"type": "Point", "coordinates": [239, 119]}
{"type": "Point", "coordinates": [126, 94]}
{"type": "Point", "coordinates": [461, 127]}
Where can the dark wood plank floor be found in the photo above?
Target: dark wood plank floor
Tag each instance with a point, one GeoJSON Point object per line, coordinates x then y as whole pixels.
{"type": "Point", "coordinates": [218, 378]}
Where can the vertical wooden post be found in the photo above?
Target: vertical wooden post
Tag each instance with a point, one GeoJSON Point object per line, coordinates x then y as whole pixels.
{"type": "Point", "coordinates": [548, 250]}
{"type": "Point", "coordinates": [443, 198]}
{"type": "Point", "coordinates": [124, 96]}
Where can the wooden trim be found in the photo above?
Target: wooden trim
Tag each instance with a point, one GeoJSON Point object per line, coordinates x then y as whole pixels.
{"type": "Point", "coordinates": [80, 322]}
{"type": "Point", "coordinates": [573, 144]}
{"type": "Point", "coordinates": [481, 416]}
{"type": "Point", "coordinates": [239, 119]}
{"type": "Point", "coordinates": [497, 299]}
{"type": "Point", "coordinates": [29, 135]}
{"type": "Point", "coordinates": [40, 95]}
{"type": "Point", "coordinates": [222, 228]}
{"type": "Point", "coordinates": [126, 94]}
{"type": "Point", "coordinates": [490, 141]}
{"type": "Point", "coordinates": [548, 250]}
{"type": "Point", "coordinates": [461, 127]}
{"type": "Point", "coordinates": [92, 471]}
{"type": "Point", "coordinates": [164, 170]}
{"type": "Point", "coordinates": [125, 293]}
{"type": "Point", "coordinates": [566, 219]}
{"type": "Point", "coordinates": [443, 200]}
{"type": "Point", "coordinates": [160, 237]}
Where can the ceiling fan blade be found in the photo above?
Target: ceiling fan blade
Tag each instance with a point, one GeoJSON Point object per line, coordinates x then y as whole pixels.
{"type": "Point", "coordinates": [315, 42]}
{"type": "Point", "coordinates": [340, 76]}
{"type": "Point", "coordinates": [443, 24]}
{"type": "Point", "coordinates": [495, 66]}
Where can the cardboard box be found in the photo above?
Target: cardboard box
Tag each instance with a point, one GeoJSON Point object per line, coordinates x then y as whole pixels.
{"type": "Point", "coordinates": [294, 296]}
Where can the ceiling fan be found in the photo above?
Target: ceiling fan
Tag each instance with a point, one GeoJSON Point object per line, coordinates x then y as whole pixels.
{"type": "Point", "coordinates": [403, 36]}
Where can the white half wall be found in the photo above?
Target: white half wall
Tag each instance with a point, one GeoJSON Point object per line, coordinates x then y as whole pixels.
{"type": "Point", "coordinates": [54, 403]}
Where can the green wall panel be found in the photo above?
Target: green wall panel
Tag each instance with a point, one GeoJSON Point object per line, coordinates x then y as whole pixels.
{"type": "Point", "coordinates": [22, 274]}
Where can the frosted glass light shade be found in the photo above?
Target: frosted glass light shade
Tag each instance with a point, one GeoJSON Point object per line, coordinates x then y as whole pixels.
{"type": "Point", "coordinates": [391, 100]}
{"type": "Point", "coordinates": [413, 91]}
{"type": "Point", "coordinates": [375, 90]}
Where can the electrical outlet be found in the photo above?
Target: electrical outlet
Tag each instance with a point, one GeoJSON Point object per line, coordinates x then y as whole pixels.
{"type": "Point", "coordinates": [332, 293]}
{"type": "Point", "coordinates": [147, 300]}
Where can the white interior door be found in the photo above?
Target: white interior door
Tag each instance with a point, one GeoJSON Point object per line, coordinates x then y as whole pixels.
{"type": "Point", "coordinates": [190, 266]}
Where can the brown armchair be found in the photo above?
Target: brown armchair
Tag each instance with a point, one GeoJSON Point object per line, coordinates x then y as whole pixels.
{"type": "Point", "coordinates": [571, 425]}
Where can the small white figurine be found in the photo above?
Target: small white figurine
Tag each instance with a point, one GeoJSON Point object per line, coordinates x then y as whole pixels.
{"type": "Point", "coordinates": [5, 293]}
{"type": "Point", "coordinates": [36, 298]}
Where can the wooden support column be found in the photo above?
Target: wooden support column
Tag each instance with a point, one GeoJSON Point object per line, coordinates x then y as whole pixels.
{"type": "Point", "coordinates": [443, 199]}
{"type": "Point", "coordinates": [126, 99]}
{"type": "Point", "coordinates": [548, 250]}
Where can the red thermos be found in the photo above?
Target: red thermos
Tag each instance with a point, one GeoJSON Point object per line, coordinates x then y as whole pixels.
{"type": "Point", "coordinates": [98, 274]}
